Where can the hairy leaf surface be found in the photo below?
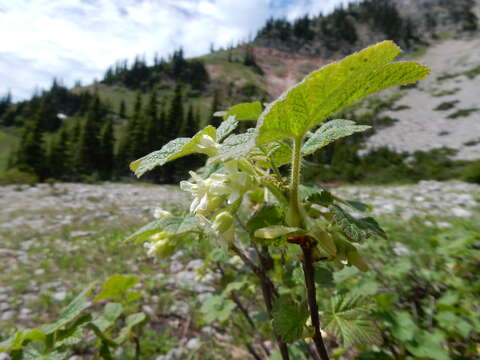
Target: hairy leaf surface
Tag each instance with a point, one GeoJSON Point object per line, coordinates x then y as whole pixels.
{"type": "Point", "coordinates": [289, 318]}
{"type": "Point", "coordinates": [245, 111]}
{"type": "Point", "coordinates": [226, 127]}
{"type": "Point", "coordinates": [329, 132]}
{"type": "Point", "coordinates": [170, 151]}
{"type": "Point", "coordinates": [336, 85]}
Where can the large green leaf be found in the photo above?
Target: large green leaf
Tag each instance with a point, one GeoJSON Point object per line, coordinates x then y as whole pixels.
{"type": "Point", "coordinates": [289, 318]}
{"type": "Point", "coordinates": [16, 341]}
{"type": "Point", "coordinates": [327, 90]}
{"type": "Point", "coordinates": [356, 229]}
{"type": "Point", "coordinates": [171, 151]}
{"type": "Point", "coordinates": [116, 287]}
{"type": "Point", "coordinates": [347, 318]}
{"type": "Point", "coordinates": [428, 346]}
{"type": "Point", "coordinates": [34, 354]}
{"type": "Point", "coordinates": [236, 146]}
{"type": "Point", "coordinates": [173, 225]}
{"type": "Point", "coordinates": [70, 312]}
{"type": "Point", "coordinates": [329, 132]}
{"type": "Point", "coordinates": [275, 231]}
{"type": "Point", "coordinates": [245, 111]}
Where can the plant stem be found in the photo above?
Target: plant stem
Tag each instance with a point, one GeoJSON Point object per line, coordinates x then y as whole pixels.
{"type": "Point", "coordinates": [295, 217]}
{"type": "Point", "coordinates": [309, 273]}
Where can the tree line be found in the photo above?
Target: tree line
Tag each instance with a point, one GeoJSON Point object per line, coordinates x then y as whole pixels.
{"type": "Point", "coordinates": [99, 143]}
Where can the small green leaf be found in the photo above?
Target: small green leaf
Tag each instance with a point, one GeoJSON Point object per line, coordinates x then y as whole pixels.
{"type": "Point", "coordinates": [275, 231]}
{"type": "Point", "coordinates": [245, 111]}
{"type": "Point", "coordinates": [226, 127]}
{"type": "Point", "coordinates": [173, 225]}
{"type": "Point", "coordinates": [289, 318]}
{"type": "Point", "coordinates": [73, 332]}
{"type": "Point", "coordinates": [329, 132]}
{"type": "Point", "coordinates": [266, 216]}
{"type": "Point", "coordinates": [131, 322]}
{"type": "Point", "coordinates": [324, 241]}
{"type": "Point", "coordinates": [321, 197]}
{"type": "Point", "coordinates": [70, 312]}
{"type": "Point", "coordinates": [279, 152]}
{"type": "Point", "coordinates": [347, 318]}
{"type": "Point", "coordinates": [356, 229]}
{"type": "Point", "coordinates": [327, 90]}
{"type": "Point", "coordinates": [111, 313]}
{"type": "Point", "coordinates": [34, 354]}
{"type": "Point", "coordinates": [171, 151]}
{"type": "Point", "coordinates": [116, 287]}
{"type": "Point", "coordinates": [235, 146]}
{"type": "Point", "coordinates": [217, 308]}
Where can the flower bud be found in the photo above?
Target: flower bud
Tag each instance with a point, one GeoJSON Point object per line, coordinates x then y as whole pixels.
{"type": "Point", "coordinates": [223, 222]}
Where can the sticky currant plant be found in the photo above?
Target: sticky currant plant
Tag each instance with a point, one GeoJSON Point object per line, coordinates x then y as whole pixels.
{"type": "Point", "coordinates": [290, 222]}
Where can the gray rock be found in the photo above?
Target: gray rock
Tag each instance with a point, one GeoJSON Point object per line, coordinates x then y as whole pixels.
{"type": "Point", "coordinates": [193, 344]}
{"type": "Point", "coordinates": [7, 315]}
{"type": "Point", "coordinates": [459, 212]}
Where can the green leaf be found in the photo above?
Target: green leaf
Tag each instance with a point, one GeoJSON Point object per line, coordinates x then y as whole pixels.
{"type": "Point", "coordinates": [266, 216]}
{"type": "Point", "coordinates": [235, 146]}
{"type": "Point", "coordinates": [245, 111]}
{"type": "Point", "coordinates": [289, 318]}
{"type": "Point", "coordinates": [131, 322]}
{"type": "Point", "coordinates": [16, 341]}
{"type": "Point", "coordinates": [321, 197]}
{"type": "Point", "coordinates": [73, 333]}
{"type": "Point", "coordinates": [428, 346]}
{"type": "Point", "coordinates": [34, 354]}
{"type": "Point", "coordinates": [226, 127]}
{"type": "Point", "coordinates": [405, 328]}
{"type": "Point", "coordinates": [357, 205]}
{"type": "Point", "coordinates": [116, 287]}
{"type": "Point", "coordinates": [324, 241]}
{"type": "Point", "coordinates": [70, 312]}
{"type": "Point", "coordinates": [356, 229]}
{"type": "Point", "coordinates": [329, 132]}
{"type": "Point", "coordinates": [347, 318]}
{"type": "Point", "coordinates": [233, 286]}
{"type": "Point", "coordinates": [275, 231]}
{"type": "Point", "coordinates": [173, 225]}
{"type": "Point", "coordinates": [323, 277]}
{"type": "Point", "coordinates": [111, 313]}
{"type": "Point", "coordinates": [279, 152]}
{"type": "Point", "coordinates": [327, 90]}
{"type": "Point", "coordinates": [216, 308]}
{"type": "Point", "coordinates": [171, 151]}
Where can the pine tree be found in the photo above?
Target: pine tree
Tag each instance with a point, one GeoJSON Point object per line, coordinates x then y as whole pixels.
{"type": "Point", "coordinates": [59, 158]}
{"type": "Point", "coordinates": [152, 124]}
{"type": "Point", "coordinates": [122, 110]}
{"type": "Point", "coordinates": [31, 153]}
{"type": "Point", "coordinates": [136, 131]}
{"type": "Point", "coordinates": [106, 151]}
{"type": "Point", "coordinates": [86, 159]}
{"type": "Point", "coordinates": [191, 126]}
{"type": "Point", "coordinates": [175, 113]}
{"type": "Point", "coordinates": [215, 120]}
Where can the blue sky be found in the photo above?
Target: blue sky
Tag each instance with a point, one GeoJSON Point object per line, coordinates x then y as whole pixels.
{"type": "Point", "coordinates": [79, 39]}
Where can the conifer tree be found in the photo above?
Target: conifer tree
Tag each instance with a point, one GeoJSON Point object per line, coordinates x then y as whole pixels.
{"type": "Point", "coordinates": [31, 154]}
{"type": "Point", "coordinates": [136, 131]}
{"type": "Point", "coordinates": [175, 113]}
{"type": "Point", "coordinates": [106, 151]}
{"type": "Point", "coordinates": [191, 126]}
{"type": "Point", "coordinates": [59, 159]}
{"type": "Point", "coordinates": [122, 112]}
{"type": "Point", "coordinates": [152, 124]}
{"type": "Point", "coordinates": [215, 120]}
{"type": "Point", "coordinates": [86, 159]}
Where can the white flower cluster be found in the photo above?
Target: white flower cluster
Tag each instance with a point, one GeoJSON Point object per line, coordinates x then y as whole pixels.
{"type": "Point", "coordinates": [210, 195]}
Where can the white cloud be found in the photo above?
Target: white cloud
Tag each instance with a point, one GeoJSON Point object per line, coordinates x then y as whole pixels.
{"type": "Point", "coordinates": [79, 39]}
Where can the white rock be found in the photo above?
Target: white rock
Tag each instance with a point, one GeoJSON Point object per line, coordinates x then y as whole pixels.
{"type": "Point", "coordinates": [60, 295]}
{"type": "Point", "coordinates": [7, 315]}
{"type": "Point", "coordinates": [443, 225]}
{"type": "Point", "coordinates": [4, 356]}
{"type": "Point", "coordinates": [193, 344]}
{"type": "Point", "coordinates": [4, 306]}
{"type": "Point", "coordinates": [39, 272]}
{"type": "Point", "coordinates": [459, 212]}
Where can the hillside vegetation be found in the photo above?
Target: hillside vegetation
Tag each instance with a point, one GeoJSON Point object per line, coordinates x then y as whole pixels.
{"type": "Point", "coordinates": [138, 107]}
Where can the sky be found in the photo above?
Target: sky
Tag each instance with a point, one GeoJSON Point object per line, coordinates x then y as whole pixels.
{"type": "Point", "coordinates": [79, 39]}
